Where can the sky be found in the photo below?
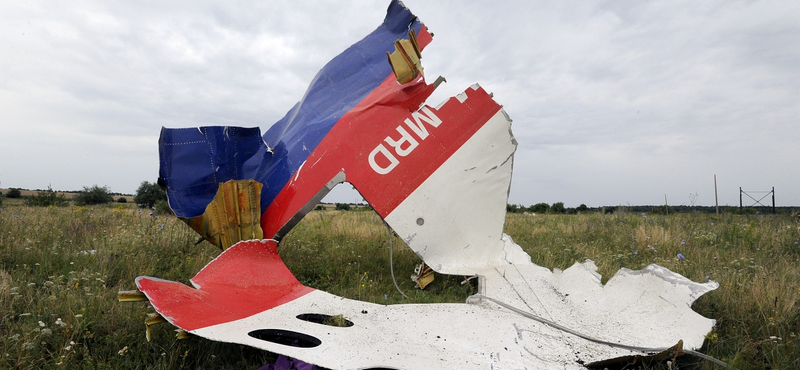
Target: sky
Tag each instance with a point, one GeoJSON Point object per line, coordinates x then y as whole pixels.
{"type": "Point", "coordinates": [613, 102]}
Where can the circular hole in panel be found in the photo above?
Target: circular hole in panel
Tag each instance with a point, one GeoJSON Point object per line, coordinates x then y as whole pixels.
{"type": "Point", "coordinates": [319, 318]}
{"type": "Point", "coordinates": [420, 221]}
{"type": "Point", "coordinates": [286, 338]}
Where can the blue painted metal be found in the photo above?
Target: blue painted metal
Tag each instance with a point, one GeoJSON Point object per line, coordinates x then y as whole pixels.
{"type": "Point", "coordinates": [194, 161]}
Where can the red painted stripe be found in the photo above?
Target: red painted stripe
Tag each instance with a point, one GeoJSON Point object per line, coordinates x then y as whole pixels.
{"type": "Point", "coordinates": [349, 143]}
{"type": "Point", "coordinates": [245, 279]}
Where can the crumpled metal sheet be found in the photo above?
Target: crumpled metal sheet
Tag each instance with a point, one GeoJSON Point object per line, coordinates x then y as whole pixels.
{"type": "Point", "coordinates": [268, 313]}
{"type": "Point", "coordinates": [440, 176]}
{"type": "Point", "coordinates": [194, 160]}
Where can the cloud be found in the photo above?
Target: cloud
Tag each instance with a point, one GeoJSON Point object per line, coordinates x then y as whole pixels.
{"type": "Point", "coordinates": [635, 98]}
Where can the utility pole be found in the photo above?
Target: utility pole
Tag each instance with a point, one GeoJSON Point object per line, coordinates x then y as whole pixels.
{"type": "Point", "coordinates": [773, 200]}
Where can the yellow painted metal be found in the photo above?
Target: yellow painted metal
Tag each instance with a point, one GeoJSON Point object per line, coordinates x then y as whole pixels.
{"type": "Point", "coordinates": [152, 319]}
{"type": "Point", "coordinates": [423, 275]}
{"type": "Point", "coordinates": [233, 215]}
{"type": "Point", "coordinates": [405, 59]}
{"type": "Point", "coordinates": [131, 296]}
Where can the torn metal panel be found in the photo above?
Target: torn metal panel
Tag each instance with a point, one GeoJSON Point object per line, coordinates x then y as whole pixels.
{"type": "Point", "coordinates": [480, 335]}
{"type": "Point", "coordinates": [440, 176]}
{"type": "Point", "coordinates": [194, 161]}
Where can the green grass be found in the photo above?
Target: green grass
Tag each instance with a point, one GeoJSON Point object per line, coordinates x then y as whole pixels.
{"type": "Point", "coordinates": [61, 269]}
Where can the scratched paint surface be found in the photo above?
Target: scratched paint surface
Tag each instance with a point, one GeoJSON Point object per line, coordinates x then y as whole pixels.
{"type": "Point", "coordinates": [440, 176]}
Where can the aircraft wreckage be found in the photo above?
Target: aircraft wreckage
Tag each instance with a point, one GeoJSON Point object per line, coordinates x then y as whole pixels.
{"type": "Point", "coordinates": [424, 170]}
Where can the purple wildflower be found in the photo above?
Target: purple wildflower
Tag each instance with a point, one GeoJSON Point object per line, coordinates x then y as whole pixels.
{"type": "Point", "coordinates": [680, 255]}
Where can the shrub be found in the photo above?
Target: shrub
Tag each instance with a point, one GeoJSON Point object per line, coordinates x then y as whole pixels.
{"type": "Point", "coordinates": [148, 194]}
{"type": "Point", "coordinates": [539, 208]}
{"type": "Point", "coordinates": [342, 207]}
{"type": "Point", "coordinates": [47, 198]}
{"type": "Point", "coordinates": [93, 195]}
{"type": "Point", "coordinates": [122, 200]}
{"type": "Point", "coordinates": [13, 193]}
{"type": "Point", "coordinates": [162, 208]}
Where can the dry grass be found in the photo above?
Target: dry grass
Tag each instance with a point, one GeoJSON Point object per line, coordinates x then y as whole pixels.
{"type": "Point", "coordinates": [61, 268]}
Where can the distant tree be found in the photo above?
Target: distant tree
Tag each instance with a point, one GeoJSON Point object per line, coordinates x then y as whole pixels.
{"type": "Point", "coordinates": [515, 208]}
{"type": "Point", "coordinates": [342, 207]}
{"type": "Point", "coordinates": [93, 195]}
{"type": "Point", "coordinates": [663, 210]}
{"type": "Point", "coordinates": [558, 207]}
{"type": "Point", "coordinates": [148, 194]}
{"type": "Point", "coordinates": [539, 208]}
{"type": "Point", "coordinates": [122, 200]}
{"type": "Point", "coordinates": [47, 198]}
{"type": "Point", "coordinates": [582, 208]}
{"type": "Point", "coordinates": [13, 193]}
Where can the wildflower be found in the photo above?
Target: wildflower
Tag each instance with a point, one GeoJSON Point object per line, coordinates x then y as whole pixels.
{"type": "Point", "coordinates": [123, 350]}
{"type": "Point", "coordinates": [41, 324]}
{"type": "Point", "coordinates": [161, 228]}
{"type": "Point", "coordinates": [683, 241]}
{"type": "Point", "coordinates": [46, 332]}
{"type": "Point", "coordinates": [680, 256]}
{"type": "Point", "coordinates": [151, 214]}
{"type": "Point", "coordinates": [708, 278]}
{"type": "Point", "coordinates": [60, 323]}
{"type": "Point", "coordinates": [27, 346]}
{"type": "Point", "coordinates": [78, 316]}
{"type": "Point", "coordinates": [636, 252]}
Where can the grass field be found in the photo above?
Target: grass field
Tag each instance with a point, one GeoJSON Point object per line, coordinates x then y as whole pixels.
{"type": "Point", "coordinates": [61, 269]}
